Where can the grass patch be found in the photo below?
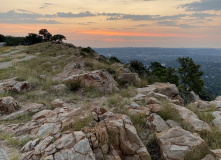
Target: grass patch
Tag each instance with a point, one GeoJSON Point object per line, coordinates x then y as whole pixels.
{"type": "Point", "coordinates": [116, 101]}
{"type": "Point", "coordinates": [80, 123]}
{"type": "Point", "coordinates": [6, 72]}
{"type": "Point", "coordinates": [5, 49]}
{"type": "Point", "coordinates": [112, 136]}
{"type": "Point", "coordinates": [139, 122]}
{"type": "Point", "coordinates": [196, 154]}
{"type": "Point", "coordinates": [91, 92]}
{"type": "Point", "coordinates": [10, 139]}
{"type": "Point", "coordinates": [205, 116]}
{"type": "Point", "coordinates": [128, 92]}
{"type": "Point", "coordinates": [168, 112]}
{"type": "Point", "coordinates": [142, 83]}
{"type": "Point", "coordinates": [14, 157]}
{"type": "Point", "coordinates": [212, 139]}
{"type": "Point", "coordinates": [19, 119]}
{"type": "Point", "coordinates": [5, 94]}
{"type": "Point", "coordinates": [5, 59]}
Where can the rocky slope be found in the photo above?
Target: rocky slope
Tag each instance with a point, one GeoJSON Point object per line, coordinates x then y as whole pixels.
{"type": "Point", "coordinates": [75, 107]}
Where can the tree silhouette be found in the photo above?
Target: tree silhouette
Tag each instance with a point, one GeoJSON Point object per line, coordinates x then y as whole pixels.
{"type": "Point", "coordinates": [46, 35]}
{"type": "Point", "coordinates": [33, 38]}
{"type": "Point", "coordinates": [2, 38]}
{"type": "Point", "coordinates": [58, 37]}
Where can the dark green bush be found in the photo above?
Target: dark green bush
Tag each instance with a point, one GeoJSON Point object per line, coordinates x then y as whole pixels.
{"type": "Point", "coordinates": [73, 86]}
{"type": "Point", "coordinates": [114, 59]}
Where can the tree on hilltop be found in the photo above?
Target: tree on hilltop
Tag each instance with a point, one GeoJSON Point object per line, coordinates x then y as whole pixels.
{"type": "Point", "coordinates": [190, 75]}
{"type": "Point", "coordinates": [33, 38]}
{"type": "Point", "coordinates": [2, 38]}
{"type": "Point", "coordinates": [58, 37]}
{"type": "Point", "coordinates": [138, 67]}
{"type": "Point", "coordinates": [46, 35]}
{"type": "Point", "coordinates": [164, 74]}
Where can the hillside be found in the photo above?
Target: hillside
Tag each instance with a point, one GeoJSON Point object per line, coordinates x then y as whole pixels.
{"type": "Point", "coordinates": [69, 103]}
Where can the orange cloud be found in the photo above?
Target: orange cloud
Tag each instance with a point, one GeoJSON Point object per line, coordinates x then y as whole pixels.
{"type": "Point", "coordinates": [137, 34]}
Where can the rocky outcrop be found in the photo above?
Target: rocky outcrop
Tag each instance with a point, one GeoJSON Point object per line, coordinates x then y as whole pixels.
{"type": "Point", "coordinates": [115, 137]}
{"type": "Point", "coordinates": [176, 142]}
{"type": "Point", "coordinates": [58, 88]}
{"type": "Point", "coordinates": [24, 110]}
{"type": "Point", "coordinates": [112, 136]}
{"type": "Point", "coordinates": [206, 105]}
{"type": "Point", "coordinates": [170, 90]}
{"type": "Point", "coordinates": [57, 103]}
{"type": "Point", "coordinates": [48, 122]}
{"type": "Point", "coordinates": [8, 104]}
{"type": "Point", "coordinates": [73, 145]}
{"type": "Point", "coordinates": [100, 80]}
{"type": "Point", "coordinates": [156, 123]}
{"type": "Point", "coordinates": [162, 91]}
{"type": "Point", "coordinates": [124, 70]}
{"type": "Point", "coordinates": [13, 85]}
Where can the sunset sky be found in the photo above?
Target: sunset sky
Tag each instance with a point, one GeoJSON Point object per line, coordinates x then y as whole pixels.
{"type": "Point", "coordinates": [118, 23]}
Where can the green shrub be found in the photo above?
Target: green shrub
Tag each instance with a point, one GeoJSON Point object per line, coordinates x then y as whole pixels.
{"type": "Point", "coordinates": [114, 59]}
{"type": "Point", "coordinates": [138, 67]}
{"type": "Point", "coordinates": [73, 86]}
{"type": "Point", "coordinates": [111, 71]}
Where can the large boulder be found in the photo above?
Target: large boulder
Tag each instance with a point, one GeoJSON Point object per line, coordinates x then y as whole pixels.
{"type": "Point", "coordinates": [176, 142]}
{"type": "Point", "coordinates": [100, 80]}
{"type": "Point", "coordinates": [162, 91]}
{"type": "Point", "coordinates": [191, 119]}
{"type": "Point", "coordinates": [130, 78]}
{"type": "Point", "coordinates": [156, 123]}
{"type": "Point", "coordinates": [170, 90]}
{"type": "Point", "coordinates": [124, 70]}
{"type": "Point", "coordinates": [58, 88]}
{"type": "Point", "coordinates": [218, 98]}
{"type": "Point", "coordinates": [8, 104]}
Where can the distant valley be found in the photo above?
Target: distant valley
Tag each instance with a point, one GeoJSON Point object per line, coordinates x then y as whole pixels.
{"type": "Point", "coordinates": [209, 59]}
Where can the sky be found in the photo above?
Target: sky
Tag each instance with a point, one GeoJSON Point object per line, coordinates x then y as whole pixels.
{"type": "Point", "coordinates": [118, 23]}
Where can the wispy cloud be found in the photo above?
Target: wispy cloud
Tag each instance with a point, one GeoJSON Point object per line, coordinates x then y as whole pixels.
{"type": "Point", "coordinates": [45, 5]}
{"type": "Point", "coordinates": [174, 23]}
{"type": "Point", "coordinates": [141, 25]}
{"type": "Point", "coordinates": [75, 15]}
{"type": "Point", "coordinates": [203, 5]}
{"type": "Point", "coordinates": [24, 16]}
{"type": "Point", "coordinates": [14, 17]}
